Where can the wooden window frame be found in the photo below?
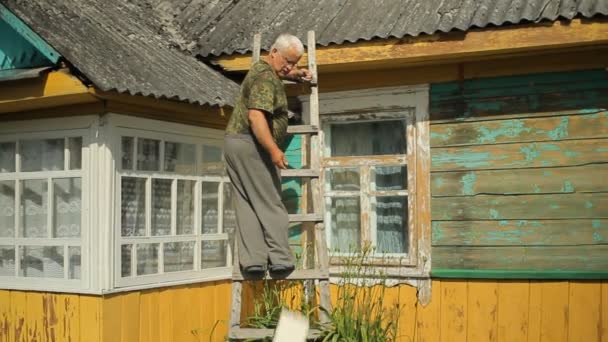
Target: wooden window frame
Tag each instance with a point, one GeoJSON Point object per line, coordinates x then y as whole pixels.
{"type": "Point", "coordinates": [387, 103]}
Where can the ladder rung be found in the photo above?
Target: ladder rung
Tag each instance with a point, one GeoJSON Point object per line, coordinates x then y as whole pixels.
{"type": "Point", "coordinates": [305, 217]}
{"type": "Point", "coordinates": [255, 334]}
{"type": "Point", "coordinates": [295, 275]}
{"type": "Point", "coordinates": [302, 129]}
{"type": "Point", "coordinates": [299, 173]}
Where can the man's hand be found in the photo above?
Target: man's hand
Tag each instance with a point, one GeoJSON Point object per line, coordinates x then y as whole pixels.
{"type": "Point", "coordinates": [279, 159]}
{"type": "Point", "coordinates": [300, 75]}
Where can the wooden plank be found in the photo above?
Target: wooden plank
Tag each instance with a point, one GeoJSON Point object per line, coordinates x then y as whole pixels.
{"type": "Point", "coordinates": [513, 310]}
{"type": "Point", "coordinates": [258, 334]}
{"type": "Point", "coordinates": [523, 207]}
{"type": "Point", "coordinates": [524, 155]}
{"type": "Point", "coordinates": [509, 182]}
{"type": "Point", "coordinates": [90, 318]}
{"type": "Point", "coordinates": [604, 316]}
{"type": "Point", "coordinates": [520, 232]}
{"type": "Point", "coordinates": [257, 43]}
{"type": "Point", "coordinates": [482, 306]}
{"type": "Point", "coordinates": [592, 258]}
{"type": "Point", "coordinates": [428, 318]}
{"type": "Point", "coordinates": [112, 319]}
{"type": "Point", "coordinates": [36, 319]}
{"type": "Point", "coordinates": [222, 309]}
{"type": "Point", "coordinates": [165, 314]}
{"type": "Point", "coordinates": [408, 303]}
{"type": "Point", "coordinates": [585, 311]}
{"type": "Point", "coordinates": [454, 311]}
{"type": "Point", "coordinates": [455, 273]}
{"type": "Point", "coordinates": [534, 309]}
{"type": "Point", "coordinates": [130, 311]}
{"type": "Point", "coordinates": [302, 129]}
{"type": "Point", "coordinates": [299, 173]}
{"type": "Point", "coordinates": [554, 313]}
{"type": "Point", "coordinates": [205, 303]}
{"type": "Point", "coordinates": [181, 314]}
{"type": "Point", "coordinates": [6, 320]}
{"type": "Point", "coordinates": [149, 329]}
{"type": "Point", "coordinates": [583, 126]}
{"type": "Point", "coordinates": [67, 312]}
{"type": "Point", "coordinates": [18, 306]}
{"type": "Point", "coordinates": [305, 217]}
{"type": "Point", "coordinates": [295, 275]}
{"type": "Point", "coordinates": [444, 47]}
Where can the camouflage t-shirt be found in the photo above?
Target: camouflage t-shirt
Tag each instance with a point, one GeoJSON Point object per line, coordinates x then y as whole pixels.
{"type": "Point", "coordinates": [262, 89]}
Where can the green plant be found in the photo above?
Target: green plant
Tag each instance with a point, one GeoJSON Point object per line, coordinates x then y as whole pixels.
{"type": "Point", "coordinates": [360, 313]}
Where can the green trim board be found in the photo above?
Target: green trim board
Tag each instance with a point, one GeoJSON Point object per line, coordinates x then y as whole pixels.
{"type": "Point", "coordinates": [29, 35]}
{"type": "Point", "coordinates": [518, 274]}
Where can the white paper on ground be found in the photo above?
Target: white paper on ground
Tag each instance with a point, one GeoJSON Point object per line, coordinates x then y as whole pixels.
{"type": "Point", "coordinates": [292, 327]}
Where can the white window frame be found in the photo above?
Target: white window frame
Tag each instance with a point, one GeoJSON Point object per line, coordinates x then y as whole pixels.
{"type": "Point", "coordinates": [170, 132]}
{"type": "Point", "coordinates": [50, 129]}
{"type": "Point", "coordinates": [387, 103]}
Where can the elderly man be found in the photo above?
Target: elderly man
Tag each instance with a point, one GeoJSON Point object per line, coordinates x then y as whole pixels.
{"type": "Point", "coordinates": [254, 133]}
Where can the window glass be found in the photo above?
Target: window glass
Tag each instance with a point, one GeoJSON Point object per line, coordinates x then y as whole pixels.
{"type": "Point", "coordinates": [179, 256]}
{"type": "Point", "coordinates": [75, 148]}
{"type": "Point", "coordinates": [161, 206]}
{"type": "Point", "coordinates": [148, 154]}
{"type": "Point", "coordinates": [7, 157]}
{"type": "Point", "coordinates": [385, 178]}
{"type": "Point", "coordinates": [34, 208]}
{"type": "Point", "coordinates": [75, 262]}
{"type": "Point", "coordinates": [343, 179]}
{"type": "Point", "coordinates": [7, 209]}
{"type": "Point", "coordinates": [41, 261]}
{"type": "Point", "coordinates": [391, 224]}
{"type": "Point", "coordinates": [185, 206]}
{"type": "Point", "coordinates": [67, 203]}
{"type": "Point", "coordinates": [180, 157]}
{"type": "Point", "coordinates": [7, 261]}
{"type": "Point", "coordinates": [125, 260]}
{"type": "Point", "coordinates": [210, 207]}
{"type": "Point", "coordinates": [213, 254]}
{"type": "Point", "coordinates": [133, 206]}
{"type": "Point", "coordinates": [147, 258]}
{"type": "Point", "coordinates": [345, 224]}
{"type": "Point", "coordinates": [368, 138]}
{"type": "Point", "coordinates": [42, 155]}
{"type": "Point", "coordinates": [127, 145]}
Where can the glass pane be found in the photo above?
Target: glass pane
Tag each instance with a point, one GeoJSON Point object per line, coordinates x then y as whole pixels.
{"type": "Point", "coordinates": [346, 179]}
{"type": "Point", "coordinates": [34, 207]}
{"type": "Point", "coordinates": [133, 206]}
{"type": "Point", "coordinates": [185, 207]}
{"type": "Point", "coordinates": [42, 155]}
{"type": "Point", "coordinates": [75, 262]}
{"type": "Point", "coordinates": [214, 254]}
{"type": "Point", "coordinates": [148, 154]}
{"type": "Point", "coordinates": [180, 157]}
{"type": "Point", "coordinates": [389, 178]}
{"type": "Point", "coordinates": [41, 261]}
{"type": "Point", "coordinates": [229, 213]}
{"type": "Point", "coordinates": [209, 207]}
{"type": "Point", "coordinates": [7, 209]}
{"type": "Point", "coordinates": [391, 224]}
{"type": "Point", "coordinates": [125, 260]}
{"type": "Point", "coordinates": [66, 207]}
{"type": "Point", "coordinates": [127, 153]}
{"type": "Point", "coordinates": [368, 138]}
{"type": "Point", "coordinates": [161, 206]}
{"type": "Point", "coordinates": [179, 256]}
{"type": "Point", "coordinates": [345, 224]}
{"type": "Point", "coordinates": [7, 261]}
{"type": "Point", "coordinates": [7, 157]}
{"type": "Point", "coordinates": [75, 147]}
{"type": "Point", "coordinates": [212, 159]}
{"type": "Point", "coordinates": [147, 259]}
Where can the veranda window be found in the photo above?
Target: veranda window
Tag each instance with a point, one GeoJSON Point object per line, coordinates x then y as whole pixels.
{"type": "Point", "coordinates": [176, 217]}
{"type": "Point", "coordinates": [41, 208]}
{"type": "Point", "coordinates": [367, 183]}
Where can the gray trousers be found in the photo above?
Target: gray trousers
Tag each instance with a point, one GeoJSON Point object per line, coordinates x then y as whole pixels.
{"type": "Point", "coordinates": [261, 218]}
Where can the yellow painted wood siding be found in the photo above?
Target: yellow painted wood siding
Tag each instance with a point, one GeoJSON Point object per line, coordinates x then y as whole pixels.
{"type": "Point", "coordinates": [475, 310]}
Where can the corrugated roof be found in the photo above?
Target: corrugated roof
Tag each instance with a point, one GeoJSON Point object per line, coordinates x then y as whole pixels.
{"type": "Point", "coordinates": [110, 43]}
{"type": "Point", "coordinates": [226, 27]}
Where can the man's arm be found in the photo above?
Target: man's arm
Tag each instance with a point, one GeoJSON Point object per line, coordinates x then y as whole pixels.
{"type": "Point", "coordinates": [299, 75]}
{"type": "Point", "coordinates": [259, 126]}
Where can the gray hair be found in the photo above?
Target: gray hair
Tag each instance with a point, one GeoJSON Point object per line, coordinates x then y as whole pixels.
{"type": "Point", "coordinates": [285, 41]}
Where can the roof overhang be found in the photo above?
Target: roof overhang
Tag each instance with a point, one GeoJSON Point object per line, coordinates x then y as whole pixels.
{"type": "Point", "coordinates": [475, 44]}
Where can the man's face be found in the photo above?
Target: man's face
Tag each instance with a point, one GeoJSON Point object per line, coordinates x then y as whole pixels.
{"type": "Point", "coordinates": [284, 62]}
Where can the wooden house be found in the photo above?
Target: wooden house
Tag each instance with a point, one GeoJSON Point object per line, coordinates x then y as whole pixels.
{"type": "Point", "coordinates": [468, 139]}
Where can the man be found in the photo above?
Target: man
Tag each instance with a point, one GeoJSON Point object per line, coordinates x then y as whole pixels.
{"type": "Point", "coordinates": [254, 133]}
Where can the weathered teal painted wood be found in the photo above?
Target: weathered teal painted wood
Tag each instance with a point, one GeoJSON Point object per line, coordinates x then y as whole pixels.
{"type": "Point", "coordinates": [587, 178]}
{"type": "Point", "coordinates": [523, 207]}
{"type": "Point", "coordinates": [524, 155]}
{"type": "Point", "coordinates": [520, 232]}
{"type": "Point", "coordinates": [28, 34]}
{"type": "Point", "coordinates": [582, 126]}
{"type": "Point", "coordinates": [563, 258]}
{"type": "Point", "coordinates": [16, 52]}
{"type": "Point", "coordinates": [517, 274]}
{"type": "Point", "coordinates": [537, 80]}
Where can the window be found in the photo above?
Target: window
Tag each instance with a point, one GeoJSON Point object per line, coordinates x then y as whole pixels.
{"type": "Point", "coordinates": [376, 177]}
{"type": "Point", "coordinates": [175, 216]}
{"type": "Point", "coordinates": [42, 208]}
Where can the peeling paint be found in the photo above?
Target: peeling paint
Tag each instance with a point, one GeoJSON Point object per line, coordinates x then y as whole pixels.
{"type": "Point", "coordinates": [554, 206]}
{"type": "Point", "coordinates": [571, 154]}
{"type": "Point", "coordinates": [588, 205]}
{"type": "Point", "coordinates": [596, 224]}
{"type": "Point", "coordinates": [468, 160]}
{"type": "Point", "coordinates": [536, 189]}
{"type": "Point", "coordinates": [597, 237]}
{"type": "Point", "coordinates": [494, 214]}
{"type": "Point", "coordinates": [549, 147]}
{"type": "Point", "coordinates": [561, 131]}
{"type": "Point", "coordinates": [509, 129]}
{"type": "Point", "coordinates": [530, 152]}
{"type": "Point", "coordinates": [568, 187]}
{"type": "Point", "coordinates": [468, 183]}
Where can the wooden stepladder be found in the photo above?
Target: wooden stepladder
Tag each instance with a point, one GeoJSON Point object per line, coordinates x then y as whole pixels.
{"type": "Point", "coordinates": [316, 270]}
